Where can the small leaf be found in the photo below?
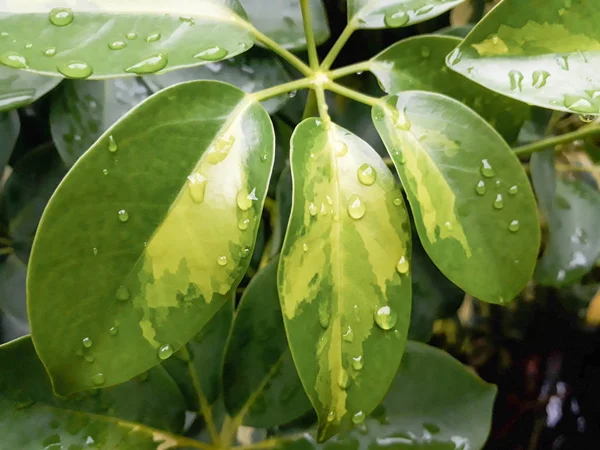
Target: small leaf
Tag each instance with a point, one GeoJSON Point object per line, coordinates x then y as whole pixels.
{"type": "Point", "coordinates": [32, 417]}
{"type": "Point", "coordinates": [395, 13]}
{"type": "Point", "coordinates": [260, 380]}
{"type": "Point", "coordinates": [544, 54]}
{"type": "Point", "coordinates": [281, 20]}
{"type": "Point", "coordinates": [149, 232]}
{"type": "Point", "coordinates": [9, 132]}
{"type": "Point", "coordinates": [419, 63]}
{"type": "Point", "coordinates": [472, 203]}
{"type": "Point", "coordinates": [572, 208]}
{"type": "Point", "coordinates": [344, 278]}
{"type": "Point", "coordinates": [107, 39]}
{"type": "Point", "coordinates": [18, 88]}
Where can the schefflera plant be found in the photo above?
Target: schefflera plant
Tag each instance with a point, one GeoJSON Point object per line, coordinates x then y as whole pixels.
{"type": "Point", "coordinates": [148, 236]}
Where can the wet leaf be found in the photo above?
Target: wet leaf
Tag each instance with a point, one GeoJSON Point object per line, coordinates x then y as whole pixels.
{"type": "Point", "coordinates": [104, 39]}
{"type": "Point", "coordinates": [281, 20]}
{"type": "Point", "coordinates": [344, 275]}
{"type": "Point", "coordinates": [472, 203]}
{"type": "Point", "coordinates": [419, 63]}
{"type": "Point", "coordinates": [544, 53]}
{"type": "Point", "coordinates": [10, 126]}
{"type": "Point", "coordinates": [260, 380]}
{"type": "Point", "coordinates": [32, 417]}
{"type": "Point", "coordinates": [19, 88]}
{"type": "Point", "coordinates": [152, 228]}
{"type": "Point", "coordinates": [395, 13]}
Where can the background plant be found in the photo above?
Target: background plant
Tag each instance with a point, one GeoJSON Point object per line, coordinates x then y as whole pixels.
{"type": "Point", "coordinates": [133, 280]}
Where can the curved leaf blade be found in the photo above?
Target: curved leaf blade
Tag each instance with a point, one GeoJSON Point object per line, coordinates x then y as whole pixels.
{"type": "Point", "coordinates": [152, 228]}
{"type": "Point", "coordinates": [473, 206]}
{"type": "Point", "coordinates": [19, 88]}
{"type": "Point", "coordinates": [10, 126]}
{"type": "Point", "coordinates": [419, 63]}
{"type": "Point", "coordinates": [261, 384]}
{"type": "Point", "coordinates": [32, 415]}
{"type": "Point", "coordinates": [102, 39]}
{"type": "Point", "coordinates": [369, 14]}
{"type": "Point", "coordinates": [544, 53]}
{"type": "Point", "coordinates": [337, 272]}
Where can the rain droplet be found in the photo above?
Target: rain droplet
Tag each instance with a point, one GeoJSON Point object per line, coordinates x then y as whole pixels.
{"type": "Point", "coordinates": [313, 209]}
{"type": "Point", "coordinates": [424, 10]}
{"type": "Point", "coordinates": [165, 352]}
{"type": "Point", "coordinates": [61, 16]}
{"type": "Point", "coordinates": [587, 118]}
{"type": "Point", "coordinates": [358, 418]}
{"type": "Point", "coordinates": [341, 148]}
{"type": "Point", "coordinates": [513, 190]}
{"type": "Point", "coordinates": [153, 37]}
{"type": "Point", "coordinates": [112, 144]}
{"type": "Point", "coordinates": [397, 201]}
{"type": "Point", "coordinates": [514, 226]}
{"type": "Point", "coordinates": [212, 54]}
{"type": "Point", "coordinates": [356, 208]}
{"type": "Point", "coordinates": [385, 318]}
{"type": "Point", "coordinates": [123, 215]}
{"type": "Point", "coordinates": [98, 379]}
{"type": "Point", "coordinates": [197, 187]}
{"type": "Point", "coordinates": [455, 57]}
{"type": "Point", "coordinates": [480, 188]}
{"type": "Point", "coordinates": [579, 104]}
{"type": "Point", "coordinates": [87, 342]}
{"type": "Point", "coordinates": [245, 251]}
{"type": "Point", "coordinates": [76, 69]}
{"type": "Point", "coordinates": [264, 157]}
{"type": "Point", "coordinates": [343, 380]}
{"type": "Point", "coordinates": [50, 51]}
{"type": "Point", "coordinates": [305, 247]}
{"type": "Point", "coordinates": [244, 200]}
{"type": "Point", "coordinates": [403, 265]}
{"type": "Point", "coordinates": [105, 171]}
{"type": "Point", "coordinates": [516, 80]}
{"type": "Point", "coordinates": [149, 65]}
{"type": "Point", "coordinates": [397, 19]}
{"type": "Point", "coordinates": [357, 362]}
{"type": "Point", "coordinates": [117, 45]}
{"type": "Point", "coordinates": [222, 260]}
{"type": "Point", "coordinates": [324, 315]}
{"type": "Point", "coordinates": [539, 78]}
{"type": "Point", "coordinates": [243, 223]}
{"type": "Point", "coordinates": [14, 60]}
{"type": "Point", "coordinates": [329, 199]}
{"type": "Point", "coordinates": [448, 226]}
{"type": "Point", "coordinates": [122, 294]}
{"type": "Point", "coordinates": [367, 174]}
{"type": "Point", "coordinates": [95, 251]}
{"type": "Point", "coordinates": [348, 335]}
{"type": "Point", "coordinates": [330, 416]}
{"type": "Point", "coordinates": [220, 149]}
{"type": "Point", "coordinates": [498, 202]}
{"type": "Point", "coordinates": [486, 169]}
{"type": "Point", "coordinates": [113, 331]}
{"type": "Point", "coordinates": [131, 36]}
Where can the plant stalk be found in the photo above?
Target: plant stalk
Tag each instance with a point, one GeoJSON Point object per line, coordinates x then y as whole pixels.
{"type": "Point", "coordinates": [311, 46]}
{"type": "Point", "coordinates": [354, 95]}
{"type": "Point", "coordinates": [338, 46]}
{"type": "Point", "coordinates": [581, 133]}
{"type": "Point", "coordinates": [274, 91]}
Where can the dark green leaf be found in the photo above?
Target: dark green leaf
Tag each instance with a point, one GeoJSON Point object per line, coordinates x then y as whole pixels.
{"type": "Point", "coordinates": [12, 289]}
{"type": "Point", "coordinates": [18, 88]}
{"type": "Point", "coordinates": [284, 209]}
{"type": "Point", "coordinates": [150, 231]}
{"type": "Point", "coordinates": [472, 203]}
{"type": "Point", "coordinates": [9, 132]}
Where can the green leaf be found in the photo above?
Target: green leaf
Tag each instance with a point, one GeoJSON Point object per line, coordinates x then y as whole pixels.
{"type": "Point", "coordinates": [152, 228]}
{"type": "Point", "coordinates": [458, 31]}
{"type": "Point", "coordinates": [32, 417]}
{"type": "Point", "coordinates": [345, 261]}
{"type": "Point", "coordinates": [12, 289]}
{"type": "Point", "coordinates": [251, 72]}
{"type": "Point", "coordinates": [284, 209]}
{"type": "Point", "coordinates": [419, 64]}
{"type": "Point", "coordinates": [207, 349]}
{"type": "Point", "coordinates": [572, 209]}
{"type": "Point", "coordinates": [281, 20]}
{"type": "Point", "coordinates": [542, 52]}
{"type": "Point", "coordinates": [10, 126]}
{"type": "Point", "coordinates": [260, 381]}
{"type": "Point", "coordinates": [101, 39]}
{"type": "Point", "coordinates": [472, 203]}
{"type": "Point", "coordinates": [395, 13]}
{"type": "Point", "coordinates": [434, 403]}
{"type": "Point", "coordinates": [18, 88]}
{"type": "Point", "coordinates": [83, 110]}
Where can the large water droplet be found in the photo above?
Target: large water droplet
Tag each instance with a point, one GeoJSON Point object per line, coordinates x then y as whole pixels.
{"type": "Point", "coordinates": [76, 69]}
{"type": "Point", "coordinates": [112, 144]}
{"type": "Point", "coordinates": [367, 174]}
{"type": "Point", "coordinates": [220, 149]}
{"type": "Point", "coordinates": [244, 200]}
{"type": "Point", "coordinates": [122, 294]}
{"type": "Point", "coordinates": [356, 207]}
{"type": "Point", "coordinates": [222, 260]}
{"type": "Point", "coordinates": [324, 315]}
{"type": "Point", "coordinates": [539, 78]}
{"type": "Point", "coordinates": [117, 45]}
{"type": "Point", "coordinates": [386, 318]}
{"type": "Point", "coordinates": [212, 54]}
{"type": "Point", "coordinates": [357, 362]}
{"type": "Point", "coordinates": [343, 379]}
{"type": "Point", "coordinates": [397, 201]}
{"type": "Point", "coordinates": [580, 104]}
{"type": "Point", "coordinates": [113, 331]}
{"type": "Point", "coordinates": [98, 379]}
{"type": "Point", "coordinates": [50, 51]}
{"type": "Point", "coordinates": [513, 190]}
{"type": "Point", "coordinates": [396, 19]}
{"type": "Point", "coordinates": [348, 335]}
{"type": "Point", "coordinates": [14, 60]}
{"type": "Point", "coordinates": [153, 37]}
{"type": "Point", "coordinates": [313, 209]}
{"type": "Point", "coordinates": [131, 36]}
{"type": "Point", "coordinates": [61, 16]}
{"type": "Point", "coordinates": [123, 215]}
{"type": "Point", "coordinates": [149, 65]}
{"type": "Point", "coordinates": [480, 188]}
{"type": "Point", "coordinates": [498, 202]}
{"type": "Point", "coordinates": [358, 418]}
{"type": "Point", "coordinates": [516, 80]}
{"type": "Point", "coordinates": [165, 352]}
{"type": "Point", "coordinates": [87, 342]}
{"type": "Point", "coordinates": [197, 187]}
{"type": "Point", "coordinates": [514, 226]}
{"type": "Point", "coordinates": [403, 265]}
{"type": "Point", "coordinates": [89, 358]}
{"type": "Point", "coordinates": [486, 169]}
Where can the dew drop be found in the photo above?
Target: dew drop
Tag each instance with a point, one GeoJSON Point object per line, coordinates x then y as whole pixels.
{"type": "Point", "coordinates": [448, 226]}
{"type": "Point", "coordinates": [330, 416]}
{"type": "Point", "coordinates": [244, 200]}
{"type": "Point", "coordinates": [131, 36]}
{"type": "Point", "coordinates": [424, 10]}
{"type": "Point", "coordinates": [76, 69]}
{"type": "Point", "coordinates": [539, 78]}
{"type": "Point", "coordinates": [341, 148]}
{"type": "Point", "coordinates": [324, 315]}
{"type": "Point", "coordinates": [123, 215]}
{"type": "Point", "coordinates": [61, 17]}
{"type": "Point", "coordinates": [112, 144]}
{"type": "Point", "coordinates": [348, 335]}
{"type": "Point", "coordinates": [516, 80]}
{"type": "Point", "coordinates": [212, 54]}
{"type": "Point", "coordinates": [455, 57]}
{"type": "Point", "coordinates": [98, 379]}
{"type": "Point", "coordinates": [50, 51]}
{"type": "Point", "coordinates": [385, 318]}
{"type": "Point", "coordinates": [220, 149]}
{"type": "Point", "coordinates": [313, 209]}
{"type": "Point", "coordinates": [396, 19]}
{"type": "Point", "coordinates": [305, 247]}
{"type": "Point", "coordinates": [513, 190]}
{"type": "Point", "coordinates": [113, 331]}
{"type": "Point", "coordinates": [105, 171]}
{"type": "Point", "coordinates": [357, 362]}
{"type": "Point", "coordinates": [197, 187]}
{"type": "Point", "coordinates": [117, 45]}
{"type": "Point", "coordinates": [486, 169]}
{"type": "Point", "coordinates": [95, 251]}
{"type": "Point", "coordinates": [153, 37]}
{"type": "Point", "coordinates": [343, 380]}
{"type": "Point", "coordinates": [245, 251]}
{"type": "Point", "coordinates": [579, 104]}
{"type": "Point", "coordinates": [264, 157]}
{"type": "Point", "coordinates": [358, 418]}
{"type": "Point", "coordinates": [514, 226]}
{"type": "Point", "coordinates": [149, 65]}
{"type": "Point", "coordinates": [587, 118]}
{"type": "Point", "coordinates": [403, 265]}
{"type": "Point", "coordinates": [122, 294]}
{"type": "Point", "coordinates": [87, 342]}
{"type": "Point", "coordinates": [367, 175]}
{"type": "Point", "coordinates": [165, 352]}
{"type": "Point", "coordinates": [89, 358]}
{"type": "Point", "coordinates": [498, 202]}
{"type": "Point", "coordinates": [397, 201]}
{"type": "Point", "coordinates": [356, 207]}
{"type": "Point", "coordinates": [222, 260]}
{"type": "Point", "coordinates": [14, 60]}
{"type": "Point", "coordinates": [243, 223]}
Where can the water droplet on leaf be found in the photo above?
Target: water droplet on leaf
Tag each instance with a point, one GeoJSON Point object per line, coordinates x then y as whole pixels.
{"type": "Point", "coordinates": [514, 226]}
{"type": "Point", "coordinates": [61, 16]}
{"type": "Point", "coordinates": [356, 207]}
{"type": "Point", "coordinates": [341, 148]}
{"type": "Point", "coordinates": [244, 200]}
{"type": "Point", "coordinates": [343, 380]}
{"type": "Point", "coordinates": [330, 416]}
{"type": "Point", "coordinates": [513, 190]}
{"type": "Point", "coordinates": [149, 65]}
{"type": "Point", "coordinates": [153, 37]}
{"type": "Point", "coordinates": [367, 175]}
{"type": "Point", "coordinates": [498, 202]}
{"type": "Point", "coordinates": [313, 209]}
{"type": "Point", "coordinates": [358, 418]}
{"type": "Point", "coordinates": [587, 118]}
{"type": "Point", "coordinates": [123, 215]}
{"type": "Point", "coordinates": [50, 51]}
{"type": "Point", "coordinates": [486, 169]}
{"type": "Point", "coordinates": [220, 149]}
{"type": "Point", "coordinates": [165, 352]}
{"type": "Point", "coordinates": [348, 335]}
{"type": "Point", "coordinates": [98, 379]}
{"type": "Point", "coordinates": [222, 260]}
{"type": "Point", "coordinates": [14, 60]}
{"type": "Point", "coordinates": [113, 331]}
{"type": "Point", "coordinates": [305, 247]}
{"type": "Point", "coordinates": [403, 265]}
{"type": "Point", "coordinates": [324, 315]}
{"type": "Point", "coordinates": [396, 19]}
{"type": "Point", "coordinates": [122, 294]}
{"type": "Point", "coordinates": [76, 69]}
{"type": "Point", "coordinates": [117, 45]}
{"type": "Point", "coordinates": [385, 318]}
{"type": "Point", "coordinates": [212, 54]}
{"type": "Point", "coordinates": [357, 362]}
{"type": "Point", "coordinates": [131, 36]}
{"type": "Point", "coordinates": [87, 342]}
{"type": "Point", "coordinates": [197, 187]}
{"type": "Point", "coordinates": [112, 144]}
{"type": "Point", "coordinates": [397, 201]}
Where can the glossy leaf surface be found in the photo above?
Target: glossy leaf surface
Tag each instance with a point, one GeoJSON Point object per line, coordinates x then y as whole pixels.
{"type": "Point", "coordinates": [32, 417]}
{"type": "Point", "coordinates": [260, 381]}
{"type": "Point", "coordinates": [395, 13]}
{"type": "Point", "coordinates": [472, 203]}
{"type": "Point", "coordinates": [423, 410]}
{"type": "Point", "coordinates": [572, 209]}
{"type": "Point", "coordinates": [19, 88]}
{"type": "Point", "coordinates": [420, 63]}
{"type": "Point", "coordinates": [9, 132]}
{"type": "Point", "coordinates": [345, 262]}
{"type": "Point", "coordinates": [149, 232]}
{"type": "Point", "coordinates": [542, 52]}
{"type": "Point", "coordinates": [281, 20]}
{"type": "Point", "coordinates": [106, 38]}
{"type": "Point", "coordinates": [83, 110]}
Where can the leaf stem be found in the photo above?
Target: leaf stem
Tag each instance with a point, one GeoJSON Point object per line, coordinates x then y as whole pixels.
{"type": "Point", "coordinates": [581, 133]}
{"type": "Point", "coordinates": [310, 108]}
{"type": "Point", "coordinates": [338, 46]}
{"type": "Point", "coordinates": [322, 104]}
{"type": "Point", "coordinates": [311, 46]}
{"type": "Point", "coordinates": [274, 91]}
{"type": "Point", "coordinates": [352, 94]}
{"type": "Point", "coordinates": [7, 251]}
{"type": "Point", "coordinates": [349, 70]}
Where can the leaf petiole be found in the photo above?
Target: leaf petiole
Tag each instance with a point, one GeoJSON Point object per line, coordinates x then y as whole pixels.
{"type": "Point", "coordinates": [581, 133]}
{"type": "Point", "coordinates": [338, 46]}
{"type": "Point", "coordinates": [311, 46]}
